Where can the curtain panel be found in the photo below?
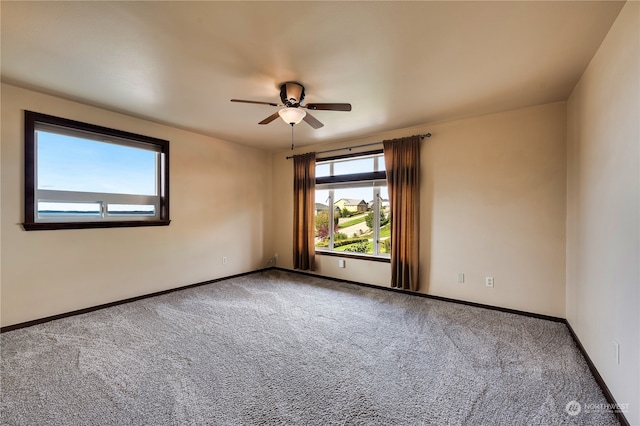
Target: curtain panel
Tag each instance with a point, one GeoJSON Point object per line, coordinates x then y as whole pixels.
{"type": "Point", "coordinates": [304, 186]}
{"type": "Point", "coordinates": [402, 162]}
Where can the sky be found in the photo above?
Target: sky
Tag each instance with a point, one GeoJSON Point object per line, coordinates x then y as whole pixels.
{"type": "Point", "coordinates": [366, 194]}
{"type": "Point", "coordinates": [68, 163]}
{"type": "Point", "coordinates": [348, 167]}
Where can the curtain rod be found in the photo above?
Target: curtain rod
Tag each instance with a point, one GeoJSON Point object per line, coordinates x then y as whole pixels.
{"type": "Point", "coordinates": [426, 135]}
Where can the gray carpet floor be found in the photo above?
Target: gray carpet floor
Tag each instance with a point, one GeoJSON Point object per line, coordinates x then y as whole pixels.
{"type": "Point", "coordinates": [280, 348]}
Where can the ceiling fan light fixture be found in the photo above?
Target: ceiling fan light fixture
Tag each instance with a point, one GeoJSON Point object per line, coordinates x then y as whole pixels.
{"type": "Point", "coordinates": [292, 115]}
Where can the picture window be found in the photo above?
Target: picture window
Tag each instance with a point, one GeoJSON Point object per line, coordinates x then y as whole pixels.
{"type": "Point", "coordinates": [79, 175]}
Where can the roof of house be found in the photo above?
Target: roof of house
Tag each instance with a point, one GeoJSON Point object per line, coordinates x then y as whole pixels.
{"type": "Point", "coordinates": [351, 201]}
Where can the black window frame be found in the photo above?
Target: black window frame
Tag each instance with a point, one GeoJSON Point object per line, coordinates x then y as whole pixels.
{"type": "Point", "coordinates": [354, 177]}
{"type": "Point", "coordinates": [31, 121]}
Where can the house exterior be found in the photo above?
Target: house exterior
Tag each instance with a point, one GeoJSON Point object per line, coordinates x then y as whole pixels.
{"type": "Point", "coordinates": [321, 207]}
{"type": "Point", "coordinates": [352, 204]}
{"type": "Point", "coordinates": [384, 204]}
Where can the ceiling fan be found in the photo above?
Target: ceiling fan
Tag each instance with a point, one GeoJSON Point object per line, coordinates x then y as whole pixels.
{"type": "Point", "coordinates": [292, 95]}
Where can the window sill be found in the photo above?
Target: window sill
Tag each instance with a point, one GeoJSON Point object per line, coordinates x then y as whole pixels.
{"type": "Point", "coordinates": [354, 256]}
{"type": "Point", "coordinates": [49, 226]}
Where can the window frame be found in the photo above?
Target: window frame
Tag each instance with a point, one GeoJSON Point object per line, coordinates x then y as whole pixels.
{"type": "Point", "coordinates": [34, 121]}
{"type": "Point", "coordinates": [326, 183]}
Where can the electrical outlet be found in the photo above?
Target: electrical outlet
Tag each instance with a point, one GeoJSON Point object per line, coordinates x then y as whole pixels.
{"type": "Point", "coordinates": [341, 263]}
{"type": "Point", "coordinates": [489, 281]}
{"type": "Point", "coordinates": [224, 260]}
{"type": "Point", "coordinates": [275, 257]}
{"type": "Point", "coordinates": [460, 277]}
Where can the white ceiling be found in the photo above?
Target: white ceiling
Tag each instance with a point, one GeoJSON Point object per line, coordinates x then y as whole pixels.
{"type": "Point", "coordinates": [400, 64]}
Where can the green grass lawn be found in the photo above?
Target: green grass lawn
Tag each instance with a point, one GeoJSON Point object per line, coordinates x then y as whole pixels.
{"type": "Point", "coordinates": [352, 222]}
{"type": "Point", "coordinates": [385, 232]}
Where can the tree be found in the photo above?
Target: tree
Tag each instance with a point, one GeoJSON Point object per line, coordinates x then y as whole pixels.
{"type": "Point", "coordinates": [384, 219]}
{"type": "Point", "coordinates": [322, 224]}
{"type": "Point", "coordinates": [368, 219]}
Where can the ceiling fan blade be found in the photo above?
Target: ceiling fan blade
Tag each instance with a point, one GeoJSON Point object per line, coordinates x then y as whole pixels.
{"type": "Point", "coordinates": [270, 118]}
{"type": "Point", "coordinates": [329, 107]}
{"type": "Point", "coordinates": [312, 121]}
{"type": "Point", "coordinates": [254, 102]}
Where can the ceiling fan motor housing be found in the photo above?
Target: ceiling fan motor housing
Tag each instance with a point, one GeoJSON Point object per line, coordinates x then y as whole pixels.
{"type": "Point", "coordinates": [291, 93]}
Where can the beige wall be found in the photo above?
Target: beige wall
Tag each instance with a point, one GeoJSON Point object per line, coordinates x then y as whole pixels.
{"type": "Point", "coordinates": [492, 204]}
{"type": "Point", "coordinates": [220, 199]}
{"type": "Point", "coordinates": [494, 190]}
{"type": "Point", "coordinates": [603, 209]}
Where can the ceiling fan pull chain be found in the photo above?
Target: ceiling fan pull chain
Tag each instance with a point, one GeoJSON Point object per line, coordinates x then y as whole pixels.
{"type": "Point", "coordinates": [291, 136]}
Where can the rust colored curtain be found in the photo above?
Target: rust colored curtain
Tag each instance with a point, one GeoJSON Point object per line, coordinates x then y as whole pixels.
{"type": "Point", "coordinates": [304, 187]}
{"type": "Point", "coordinates": [402, 161]}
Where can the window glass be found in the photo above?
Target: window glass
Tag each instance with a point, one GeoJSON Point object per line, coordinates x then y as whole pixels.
{"type": "Point", "coordinates": [67, 163]}
{"type": "Point", "coordinates": [385, 219]}
{"type": "Point", "coordinates": [131, 209]}
{"type": "Point", "coordinates": [53, 210]}
{"type": "Point", "coordinates": [352, 216]}
{"type": "Point", "coordinates": [79, 175]}
{"type": "Point", "coordinates": [381, 164]}
{"type": "Point", "coordinates": [323, 219]}
{"type": "Point", "coordinates": [323, 170]}
{"type": "Point", "coordinates": [355, 231]}
{"type": "Point", "coordinates": [357, 165]}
